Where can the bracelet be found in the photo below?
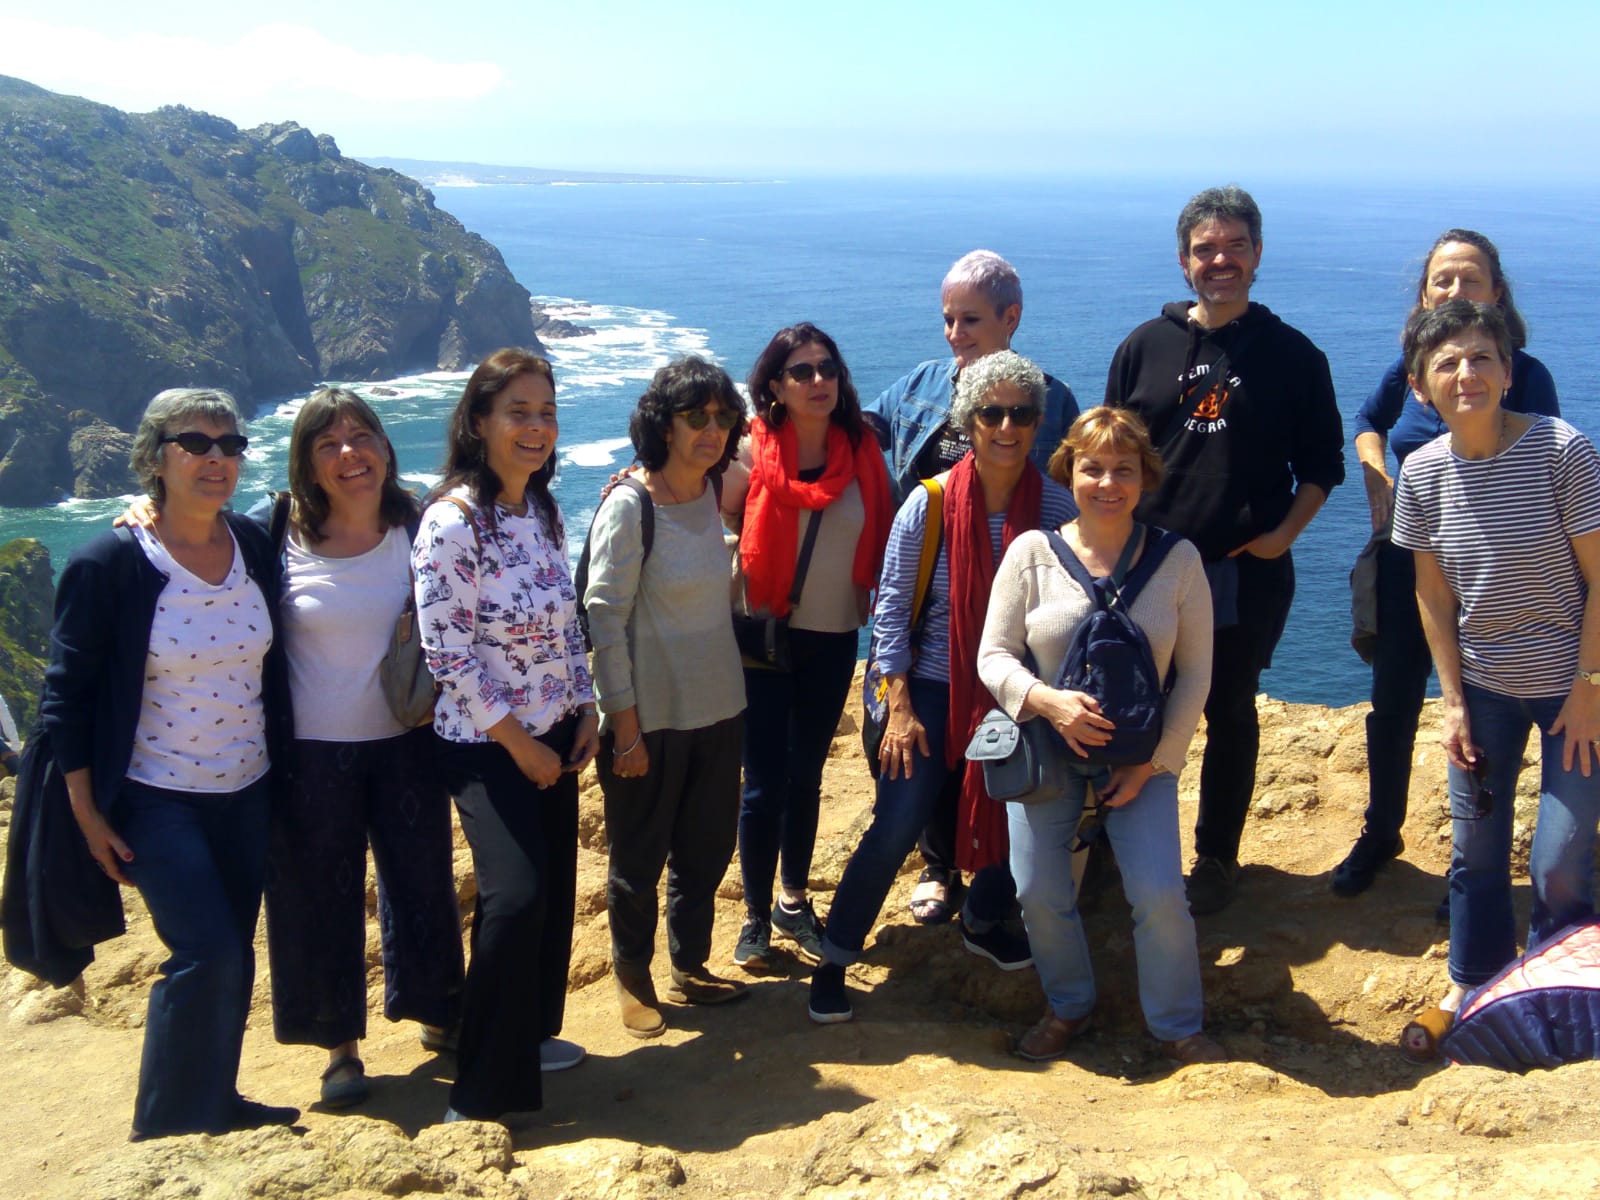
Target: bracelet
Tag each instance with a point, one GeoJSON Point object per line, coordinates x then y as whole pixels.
{"type": "Point", "coordinates": [586, 710]}
{"type": "Point", "coordinates": [630, 749]}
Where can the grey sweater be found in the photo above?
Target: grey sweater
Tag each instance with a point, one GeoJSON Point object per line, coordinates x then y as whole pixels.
{"type": "Point", "coordinates": [663, 637]}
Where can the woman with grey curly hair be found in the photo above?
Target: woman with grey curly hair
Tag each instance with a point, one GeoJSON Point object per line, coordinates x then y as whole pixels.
{"type": "Point", "coordinates": [929, 658]}
{"type": "Point", "coordinates": [165, 703]}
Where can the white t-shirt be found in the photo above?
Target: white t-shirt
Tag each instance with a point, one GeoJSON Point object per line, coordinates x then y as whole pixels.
{"type": "Point", "coordinates": [338, 615]}
{"type": "Point", "coordinates": [202, 724]}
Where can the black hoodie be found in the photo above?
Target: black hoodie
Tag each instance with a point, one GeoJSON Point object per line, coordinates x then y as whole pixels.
{"type": "Point", "coordinates": [1236, 442]}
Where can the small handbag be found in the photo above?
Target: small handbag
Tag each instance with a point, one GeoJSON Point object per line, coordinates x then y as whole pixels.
{"type": "Point", "coordinates": [1021, 763]}
{"type": "Point", "coordinates": [408, 687]}
{"type": "Point", "coordinates": [764, 639]}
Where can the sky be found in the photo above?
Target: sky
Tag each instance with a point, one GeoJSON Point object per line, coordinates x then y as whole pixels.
{"type": "Point", "coordinates": [751, 89]}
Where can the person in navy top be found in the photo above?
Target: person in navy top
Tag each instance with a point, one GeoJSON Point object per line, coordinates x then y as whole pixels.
{"type": "Point", "coordinates": [1461, 265]}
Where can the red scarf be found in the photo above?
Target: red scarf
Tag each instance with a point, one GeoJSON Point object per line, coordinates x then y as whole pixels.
{"type": "Point", "coordinates": [981, 824]}
{"type": "Point", "coordinates": [770, 541]}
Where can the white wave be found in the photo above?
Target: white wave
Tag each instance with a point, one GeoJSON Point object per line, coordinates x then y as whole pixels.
{"type": "Point", "coordinates": [595, 454]}
{"type": "Point", "coordinates": [424, 478]}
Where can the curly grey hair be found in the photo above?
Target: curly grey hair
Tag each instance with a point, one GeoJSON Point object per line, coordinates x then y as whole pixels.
{"type": "Point", "coordinates": [990, 275]}
{"type": "Point", "coordinates": [162, 415]}
{"type": "Point", "coordinates": [978, 380]}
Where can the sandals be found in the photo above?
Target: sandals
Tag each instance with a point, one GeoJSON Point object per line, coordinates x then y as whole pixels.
{"type": "Point", "coordinates": [350, 1087]}
{"type": "Point", "coordinates": [930, 902]}
{"type": "Point", "coordinates": [1419, 1040]}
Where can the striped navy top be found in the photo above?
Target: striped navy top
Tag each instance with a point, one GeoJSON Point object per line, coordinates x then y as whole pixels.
{"type": "Point", "coordinates": [1502, 530]}
{"type": "Point", "coordinates": [891, 624]}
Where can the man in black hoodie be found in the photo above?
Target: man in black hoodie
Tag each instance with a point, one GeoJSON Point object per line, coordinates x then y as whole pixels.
{"type": "Point", "coordinates": [1242, 408]}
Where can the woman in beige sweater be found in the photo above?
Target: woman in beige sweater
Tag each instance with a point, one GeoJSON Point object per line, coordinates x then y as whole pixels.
{"type": "Point", "coordinates": [1107, 461]}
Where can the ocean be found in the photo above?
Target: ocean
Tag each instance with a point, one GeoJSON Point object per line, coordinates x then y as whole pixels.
{"type": "Point", "coordinates": [659, 270]}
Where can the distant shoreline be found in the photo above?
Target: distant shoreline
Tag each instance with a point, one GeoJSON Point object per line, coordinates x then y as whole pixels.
{"type": "Point", "coordinates": [469, 174]}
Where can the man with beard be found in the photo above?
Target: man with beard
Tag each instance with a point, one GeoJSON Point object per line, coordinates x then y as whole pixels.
{"type": "Point", "coordinates": [1242, 408]}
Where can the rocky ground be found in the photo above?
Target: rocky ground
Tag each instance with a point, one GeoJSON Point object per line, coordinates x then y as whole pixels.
{"type": "Point", "coordinates": [919, 1096]}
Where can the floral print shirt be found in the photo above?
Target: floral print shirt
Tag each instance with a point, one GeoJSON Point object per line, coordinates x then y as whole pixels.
{"type": "Point", "coordinates": [498, 615]}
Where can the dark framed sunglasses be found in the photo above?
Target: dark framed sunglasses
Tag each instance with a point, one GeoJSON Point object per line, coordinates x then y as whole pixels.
{"type": "Point", "coordinates": [1022, 415]}
{"type": "Point", "coordinates": [698, 418]}
{"type": "Point", "coordinates": [1478, 788]}
{"type": "Point", "coordinates": [196, 443]}
{"type": "Point", "coordinates": [806, 372]}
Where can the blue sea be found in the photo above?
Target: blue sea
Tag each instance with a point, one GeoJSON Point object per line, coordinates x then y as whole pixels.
{"type": "Point", "coordinates": [659, 270]}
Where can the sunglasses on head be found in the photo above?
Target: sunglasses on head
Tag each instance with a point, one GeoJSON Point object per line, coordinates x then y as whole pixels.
{"type": "Point", "coordinates": [698, 418]}
{"type": "Point", "coordinates": [196, 443]}
{"type": "Point", "coordinates": [991, 415]}
{"type": "Point", "coordinates": [806, 372]}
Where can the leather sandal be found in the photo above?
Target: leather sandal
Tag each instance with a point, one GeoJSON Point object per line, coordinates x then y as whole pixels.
{"type": "Point", "coordinates": [930, 901]}
{"type": "Point", "coordinates": [344, 1083]}
{"type": "Point", "coordinates": [1049, 1037]}
{"type": "Point", "coordinates": [1419, 1040]}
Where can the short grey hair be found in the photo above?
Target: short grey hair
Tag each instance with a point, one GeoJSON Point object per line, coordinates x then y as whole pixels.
{"type": "Point", "coordinates": [990, 275]}
{"type": "Point", "coordinates": [169, 408]}
{"type": "Point", "coordinates": [979, 379]}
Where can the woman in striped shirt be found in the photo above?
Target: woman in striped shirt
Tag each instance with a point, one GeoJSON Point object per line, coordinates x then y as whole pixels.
{"type": "Point", "coordinates": [1503, 516]}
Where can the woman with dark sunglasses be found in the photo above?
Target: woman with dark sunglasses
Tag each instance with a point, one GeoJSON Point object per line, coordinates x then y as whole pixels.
{"type": "Point", "coordinates": [810, 471]}
{"type": "Point", "coordinates": [1502, 516]}
{"type": "Point", "coordinates": [669, 688]}
{"type": "Point", "coordinates": [994, 494]}
{"type": "Point", "coordinates": [165, 703]}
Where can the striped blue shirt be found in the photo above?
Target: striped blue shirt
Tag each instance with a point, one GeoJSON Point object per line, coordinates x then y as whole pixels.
{"type": "Point", "coordinates": [891, 627]}
{"type": "Point", "coordinates": [1502, 530]}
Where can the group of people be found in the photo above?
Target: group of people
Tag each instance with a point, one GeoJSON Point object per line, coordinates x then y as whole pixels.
{"type": "Point", "coordinates": [213, 705]}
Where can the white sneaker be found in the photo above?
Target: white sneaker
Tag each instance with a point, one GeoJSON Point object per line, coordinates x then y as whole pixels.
{"type": "Point", "coordinates": [558, 1054]}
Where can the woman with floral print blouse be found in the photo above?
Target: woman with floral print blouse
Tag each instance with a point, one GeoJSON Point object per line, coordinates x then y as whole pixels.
{"type": "Point", "coordinates": [516, 720]}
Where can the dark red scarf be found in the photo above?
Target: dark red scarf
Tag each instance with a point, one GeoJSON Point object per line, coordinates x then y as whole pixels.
{"type": "Point", "coordinates": [981, 824]}
{"type": "Point", "coordinates": [770, 540]}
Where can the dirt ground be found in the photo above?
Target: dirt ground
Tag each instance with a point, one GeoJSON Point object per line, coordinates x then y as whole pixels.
{"type": "Point", "coordinates": [1307, 992]}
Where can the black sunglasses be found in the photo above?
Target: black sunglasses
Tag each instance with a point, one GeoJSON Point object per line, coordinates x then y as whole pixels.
{"type": "Point", "coordinates": [806, 372]}
{"type": "Point", "coordinates": [698, 418]}
{"type": "Point", "coordinates": [1479, 789]}
{"type": "Point", "coordinates": [196, 443]}
{"type": "Point", "coordinates": [1022, 415]}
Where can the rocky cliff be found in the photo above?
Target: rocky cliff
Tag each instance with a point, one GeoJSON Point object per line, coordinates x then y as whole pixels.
{"type": "Point", "coordinates": [154, 250]}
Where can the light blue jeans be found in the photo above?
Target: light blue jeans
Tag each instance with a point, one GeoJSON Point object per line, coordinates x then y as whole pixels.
{"type": "Point", "coordinates": [1144, 836]}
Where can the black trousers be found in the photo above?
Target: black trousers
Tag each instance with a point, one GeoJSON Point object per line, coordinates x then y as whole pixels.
{"type": "Point", "coordinates": [524, 842]}
{"type": "Point", "coordinates": [682, 814]}
{"type": "Point", "coordinates": [343, 796]}
{"type": "Point", "coordinates": [1233, 732]}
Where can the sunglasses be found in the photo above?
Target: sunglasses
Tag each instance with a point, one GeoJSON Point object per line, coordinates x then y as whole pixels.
{"type": "Point", "coordinates": [196, 443]}
{"type": "Point", "coordinates": [1022, 415]}
{"type": "Point", "coordinates": [698, 418]}
{"type": "Point", "coordinates": [1478, 788]}
{"type": "Point", "coordinates": [806, 372]}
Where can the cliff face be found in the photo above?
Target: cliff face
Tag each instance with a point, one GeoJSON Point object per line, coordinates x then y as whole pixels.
{"type": "Point", "coordinates": [139, 252]}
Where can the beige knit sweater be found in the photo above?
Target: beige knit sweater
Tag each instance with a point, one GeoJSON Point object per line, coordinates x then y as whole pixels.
{"type": "Point", "coordinates": [1036, 605]}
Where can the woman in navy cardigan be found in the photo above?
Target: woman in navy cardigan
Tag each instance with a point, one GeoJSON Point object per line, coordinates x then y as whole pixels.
{"type": "Point", "coordinates": [165, 703]}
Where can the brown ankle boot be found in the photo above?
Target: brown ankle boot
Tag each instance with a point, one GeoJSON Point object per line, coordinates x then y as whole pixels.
{"type": "Point", "coordinates": [641, 1011]}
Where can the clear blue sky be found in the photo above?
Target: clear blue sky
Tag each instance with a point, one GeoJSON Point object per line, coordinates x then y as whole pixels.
{"type": "Point", "coordinates": [1432, 92]}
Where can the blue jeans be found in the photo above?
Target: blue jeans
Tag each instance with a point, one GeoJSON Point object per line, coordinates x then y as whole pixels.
{"type": "Point", "coordinates": [1482, 934]}
{"type": "Point", "coordinates": [789, 721]}
{"type": "Point", "coordinates": [1144, 838]}
{"type": "Point", "coordinates": [901, 810]}
{"type": "Point", "coordinates": [199, 861]}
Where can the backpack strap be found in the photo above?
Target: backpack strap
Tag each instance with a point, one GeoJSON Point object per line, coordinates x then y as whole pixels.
{"type": "Point", "coordinates": [472, 521]}
{"type": "Point", "coordinates": [278, 525]}
{"type": "Point", "coordinates": [932, 539]}
{"type": "Point", "coordinates": [647, 538]}
{"type": "Point", "coordinates": [1073, 565]}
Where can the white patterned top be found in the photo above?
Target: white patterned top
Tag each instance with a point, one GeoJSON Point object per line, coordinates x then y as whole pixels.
{"type": "Point", "coordinates": [499, 628]}
{"type": "Point", "coordinates": [202, 725]}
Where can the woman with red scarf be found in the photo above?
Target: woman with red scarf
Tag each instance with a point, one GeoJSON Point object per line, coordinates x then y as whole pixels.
{"type": "Point", "coordinates": [810, 461]}
{"type": "Point", "coordinates": [990, 497]}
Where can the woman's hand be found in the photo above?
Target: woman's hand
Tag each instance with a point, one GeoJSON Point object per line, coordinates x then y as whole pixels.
{"type": "Point", "coordinates": [1125, 784]}
{"type": "Point", "coordinates": [634, 764]}
{"type": "Point", "coordinates": [1579, 720]}
{"type": "Point", "coordinates": [1380, 494]}
{"type": "Point", "coordinates": [587, 744]}
{"type": "Point", "coordinates": [109, 850]}
{"type": "Point", "coordinates": [903, 738]}
{"type": "Point", "coordinates": [1074, 715]}
{"type": "Point", "coordinates": [141, 514]}
{"type": "Point", "coordinates": [612, 481]}
{"type": "Point", "coordinates": [1455, 734]}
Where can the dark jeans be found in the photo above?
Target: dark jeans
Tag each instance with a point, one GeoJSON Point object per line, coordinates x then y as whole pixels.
{"type": "Point", "coordinates": [198, 862]}
{"type": "Point", "coordinates": [343, 795]}
{"type": "Point", "coordinates": [789, 724]}
{"type": "Point", "coordinates": [1400, 668]}
{"type": "Point", "coordinates": [901, 809]}
{"type": "Point", "coordinates": [1233, 733]}
{"type": "Point", "coordinates": [683, 815]}
{"type": "Point", "coordinates": [524, 842]}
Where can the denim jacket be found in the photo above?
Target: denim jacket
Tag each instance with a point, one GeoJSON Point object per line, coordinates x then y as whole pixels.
{"type": "Point", "coordinates": [910, 411]}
